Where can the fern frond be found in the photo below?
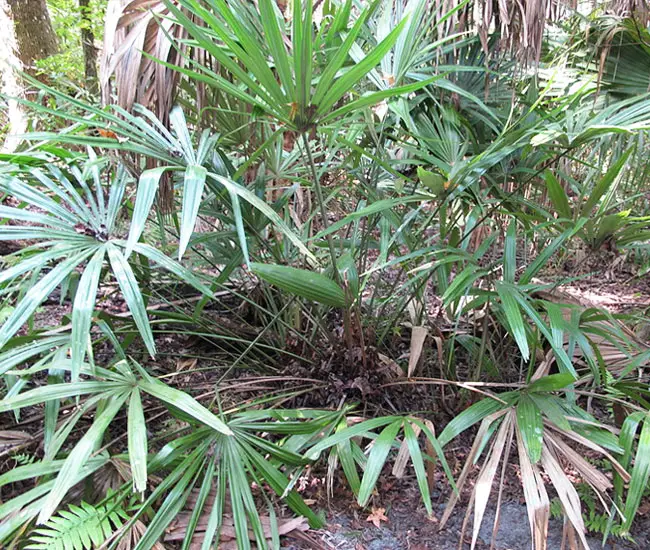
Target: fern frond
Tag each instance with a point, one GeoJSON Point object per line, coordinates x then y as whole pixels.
{"type": "Point", "coordinates": [23, 459]}
{"type": "Point", "coordinates": [78, 528]}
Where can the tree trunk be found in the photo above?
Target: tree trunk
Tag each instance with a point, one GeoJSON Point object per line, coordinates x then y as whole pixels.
{"type": "Point", "coordinates": [35, 37]}
{"type": "Point", "coordinates": [27, 35]}
{"type": "Point", "coordinates": [88, 45]}
{"type": "Point", "coordinates": [11, 115]}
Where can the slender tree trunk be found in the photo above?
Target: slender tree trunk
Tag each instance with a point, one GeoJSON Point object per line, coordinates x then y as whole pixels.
{"type": "Point", "coordinates": [35, 37]}
{"type": "Point", "coordinates": [88, 45]}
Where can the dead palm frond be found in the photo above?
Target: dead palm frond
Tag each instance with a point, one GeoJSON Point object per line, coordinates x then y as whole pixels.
{"type": "Point", "coordinates": [138, 33]}
{"type": "Point", "coordinates": [541, 425]}
{"type": "Point", "coordinates": [605, 339]}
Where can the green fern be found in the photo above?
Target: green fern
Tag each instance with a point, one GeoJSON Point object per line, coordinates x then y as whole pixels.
{"type": "Point", "coordinates": [23, 459]}
{"type": "Point", "coordinates": [78, 528]}
{"type": "Point", "coordinates": [595, 522]}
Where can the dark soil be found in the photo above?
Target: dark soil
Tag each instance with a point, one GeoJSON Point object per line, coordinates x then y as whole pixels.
{"type": "Point", "coordinates": [408, 528]}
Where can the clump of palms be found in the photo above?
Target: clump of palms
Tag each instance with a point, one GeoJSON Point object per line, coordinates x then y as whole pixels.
{"type": "Point", "coordinates": [438, 212]}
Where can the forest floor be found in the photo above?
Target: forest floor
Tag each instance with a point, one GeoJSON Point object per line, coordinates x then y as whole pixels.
{"type": "Point", "coordinates": [409, 528]}
{"type": "Point", "coordinates": [398, 521]}
{"type": "Point", "coordinates": [395, 519]}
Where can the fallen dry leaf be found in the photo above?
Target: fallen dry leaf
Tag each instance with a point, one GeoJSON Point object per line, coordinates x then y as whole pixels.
{"type": "Point", "coordinates": [186, 364]}
{"type": "Point", "coordinates": [418, 336]}
{"type": "Point", "coordinates": [377, 516]}
{"type": "Point", "coordinates": [177, 529]}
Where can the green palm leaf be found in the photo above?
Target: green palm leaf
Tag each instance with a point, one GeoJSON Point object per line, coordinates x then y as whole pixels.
{"type": "Point", "coordinates": [37, 294]}
{"type": "Point", "coordinates": [193, 186]}
{"type": "Point", "coordinates": [77, 458]}
{"type": "Point", "coordinates": [82, 310]}
{"type": "Point", "coordinates": [132, 295]}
